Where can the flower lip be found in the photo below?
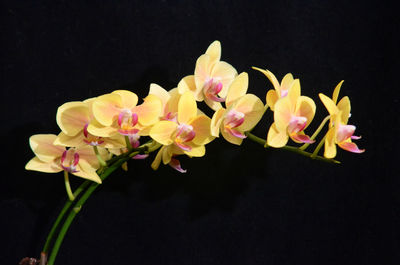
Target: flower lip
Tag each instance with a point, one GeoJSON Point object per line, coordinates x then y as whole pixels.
{"type": "Point", "coordinates": [234, 119]}
{"type": "Point", "coordinates": [297, 124]}
{"type": "Point", "coordinates": [170, 117]}
{"type": "Point", "coordinates": [126, 121]}
{"type": "Point", "coordinates": [90, 139]}
{"type": "Point", "coordinates": [211, 89]}
{"type": "Point", "coordinates": [71, 158]}
{"type": "Point", "coordinates": [126, 116]}
{"type": "Point", "coordinates": [345, 132]}
{"type": "Point", "coordinates": [184, 134]}
{"type": "Point", "coordinates": [284, 92]}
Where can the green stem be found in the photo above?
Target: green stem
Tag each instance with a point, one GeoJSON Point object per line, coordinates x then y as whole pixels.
{"type": "Point", "coordinates": [67, 205]}
{"type": "Point", "coordinates": [128, 142]}
{"type": "Point", "coordinates": [145, 148]}
{"type": "Point", "coordinates": [101, 161]}
{"type": "Point", "coordinates": [321, 143]}
{"type": "Point", "coordinates": [291, 149]}
{"type": "Point", "coordinates": [68, 186]}
{"type": "Point", "coordinates": [304, 146]}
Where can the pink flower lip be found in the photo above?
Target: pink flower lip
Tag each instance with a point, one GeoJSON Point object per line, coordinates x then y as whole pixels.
{"type": "Point", "coordinates": [175, 164]}
{"type": "Point", "coordinates": [211, 89]}
{"type": "Point", "coordinates": [297, 124]}
{"type": "Point", "coordinates": [72, 164]}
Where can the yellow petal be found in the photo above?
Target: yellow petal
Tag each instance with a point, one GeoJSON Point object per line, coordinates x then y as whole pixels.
{"type": "Point", "coordinates": [128, 98]}
{"type": "Point", "coordinates": [173, 101]}
{"type": "Point", "coordinates": [201, 126]}
{"type": "Point", "coordinates": [225, 73]}
{"type": "Point", "coordinates": [167, 154]}
{"type": "Point", "coordinates": [197, 151]}
{"type": "Point", "coordinates": [86, 171]}
{"type": "Point", "coordinates": [283, 113]}
{"type": "Point", "coordinates": [160, 92]}
{"type": "Point", "coordinates": [305, 107]}
{"type": "Point", "coordinates": [202, 72]}
{"type": "Point", "coordinates": [216, 121]}
{"type": "Point", "coordinates": [43, 147]}
{"type": "Point", "coordinates": [271, 78]}
{"type": "Point", "coordinates": [38, 165]}
{"type": "Point", "coordinates": [214, 51]}
{"type": "Point", "coordinates": [213, 104]}
{"type": "Point", "coordinates": [238, 88]}
{"type": "Point", "coordinates": [106, 108]}
{"type": "Point", "coordinates": [252, 108]}
{"type": "Point", "coordinates": [72, 117]}
{"type": "Point", "coordinates": [187, 108]}
{"type": "Point", "coordinates": [271, 98]}
{"type": "Point", "coordinates": [230, 138]}
{"type": "Point", "coordinates": [294, 91]}
{"type": "Point", "coordinates": [344, 107]}
{"type": "Point", "coordinates": [329, 104]}
{"type": "Point", "coordinates": [287, 81]}
{"type": "Point", "coordinates": [97, 129]}
{"type": "Point", "coordinates": [144, 131]}
{"type": "Point", "coordinates": [188, 84]}
{"type": "Point", "coordinates": [149, 111]}
{"type": "Point", "coordinates": [157, 159]}
{"type": "Point", "coordinates": [336, 92]}
{"type": "Point", "coordinates": [330, 146]}
{"type": "Point", "coordinates": [117, 141]}
{"type": "Point", "coordinates": [277, 138]}
{"type": "Point", "coordinates": [163, 132]}
{"type": "Point", "coordinates": [71, 141]}
{"type": "Point", "coordinates": [87, 153]}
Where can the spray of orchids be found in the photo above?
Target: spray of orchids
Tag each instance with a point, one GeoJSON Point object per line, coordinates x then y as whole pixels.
{"type": "Point", "coordinates": [101, 134]}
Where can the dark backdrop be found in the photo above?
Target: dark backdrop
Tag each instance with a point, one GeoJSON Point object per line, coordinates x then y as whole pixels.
{"type": "Point", "coordinates": [237, 205]}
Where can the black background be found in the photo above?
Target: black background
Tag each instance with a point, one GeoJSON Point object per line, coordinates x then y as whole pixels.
{"type": "Point", "coordinates": [237, 205]}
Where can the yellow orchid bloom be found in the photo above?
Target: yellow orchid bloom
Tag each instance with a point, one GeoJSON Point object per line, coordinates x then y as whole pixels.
{"type": "Point", "coordinates": [211, 78]}
{"type": "Point", "coordinates": [118, 113]}
{"type": "Point", "coordinates": [73, 118]}
{"type": "Point", "coordinates": [50, 158]}
{"type": "Point", "coordinates": [339, 132]}
{"type": "Point", "coordinates": [186, 135]}
{"type": "Point", "coordinates": [243, 111]}
{"type": "Point", "coordinates": [169, 101]}
{"type": "Point", "coordinates": [281, 90]}
{"type": "Point", "coordinates": [293, 113]}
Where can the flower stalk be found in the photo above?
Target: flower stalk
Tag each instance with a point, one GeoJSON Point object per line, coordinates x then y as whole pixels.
{"type": "Point", "coordinates": [100, 134]}
{"type": "Point", "coordinates": [292, 149]}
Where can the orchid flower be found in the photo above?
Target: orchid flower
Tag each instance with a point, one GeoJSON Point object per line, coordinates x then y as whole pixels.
{"type": "Point", "coordinates": [293, 113]}
{"type": "Point", "coordinates": [186, 135]}
{"type": "Point", "coordinates": [243, 111]}
{"type": "Point", "coordinates": [211, 78]}
{"type": "Point", "coordinates": [339, 132]}
{"type": "Point", "coordinates": [50, 158]}
{"type": "Point", "coordinates": [118, 113]}
{"type": "Point", "coordinates": [73, 118]}
{"type": "Point", "coordinates": [169, 100]}
{"type": "Point", "coordinates": [281, 90]}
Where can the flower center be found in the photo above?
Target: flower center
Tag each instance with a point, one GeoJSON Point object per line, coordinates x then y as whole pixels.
{"type": "Point", "coordinates": [91, 139]}
{"type": "Point", "coordinates": [184, 134]}
{"type": "Point", "coordinates": [232, 120]}
{"type": "Point", "coordinates": [127, 121]}
{"type": "Point", "coordinates": [345, 132]}
{"type": "Point", "coordinates": [284, 92]}
{"type": "Point", "coordinates": [69, 160]}
{"type": "Point", "coordinates": [297, 124]}
{"type": "Point", "coordinates": [211, 89]}
{"type": "Point", "coordinates": [170, 116]}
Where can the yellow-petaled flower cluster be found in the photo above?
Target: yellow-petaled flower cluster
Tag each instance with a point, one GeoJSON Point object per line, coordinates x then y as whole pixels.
{"type": "Point", "coordinates": [96, 129]}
